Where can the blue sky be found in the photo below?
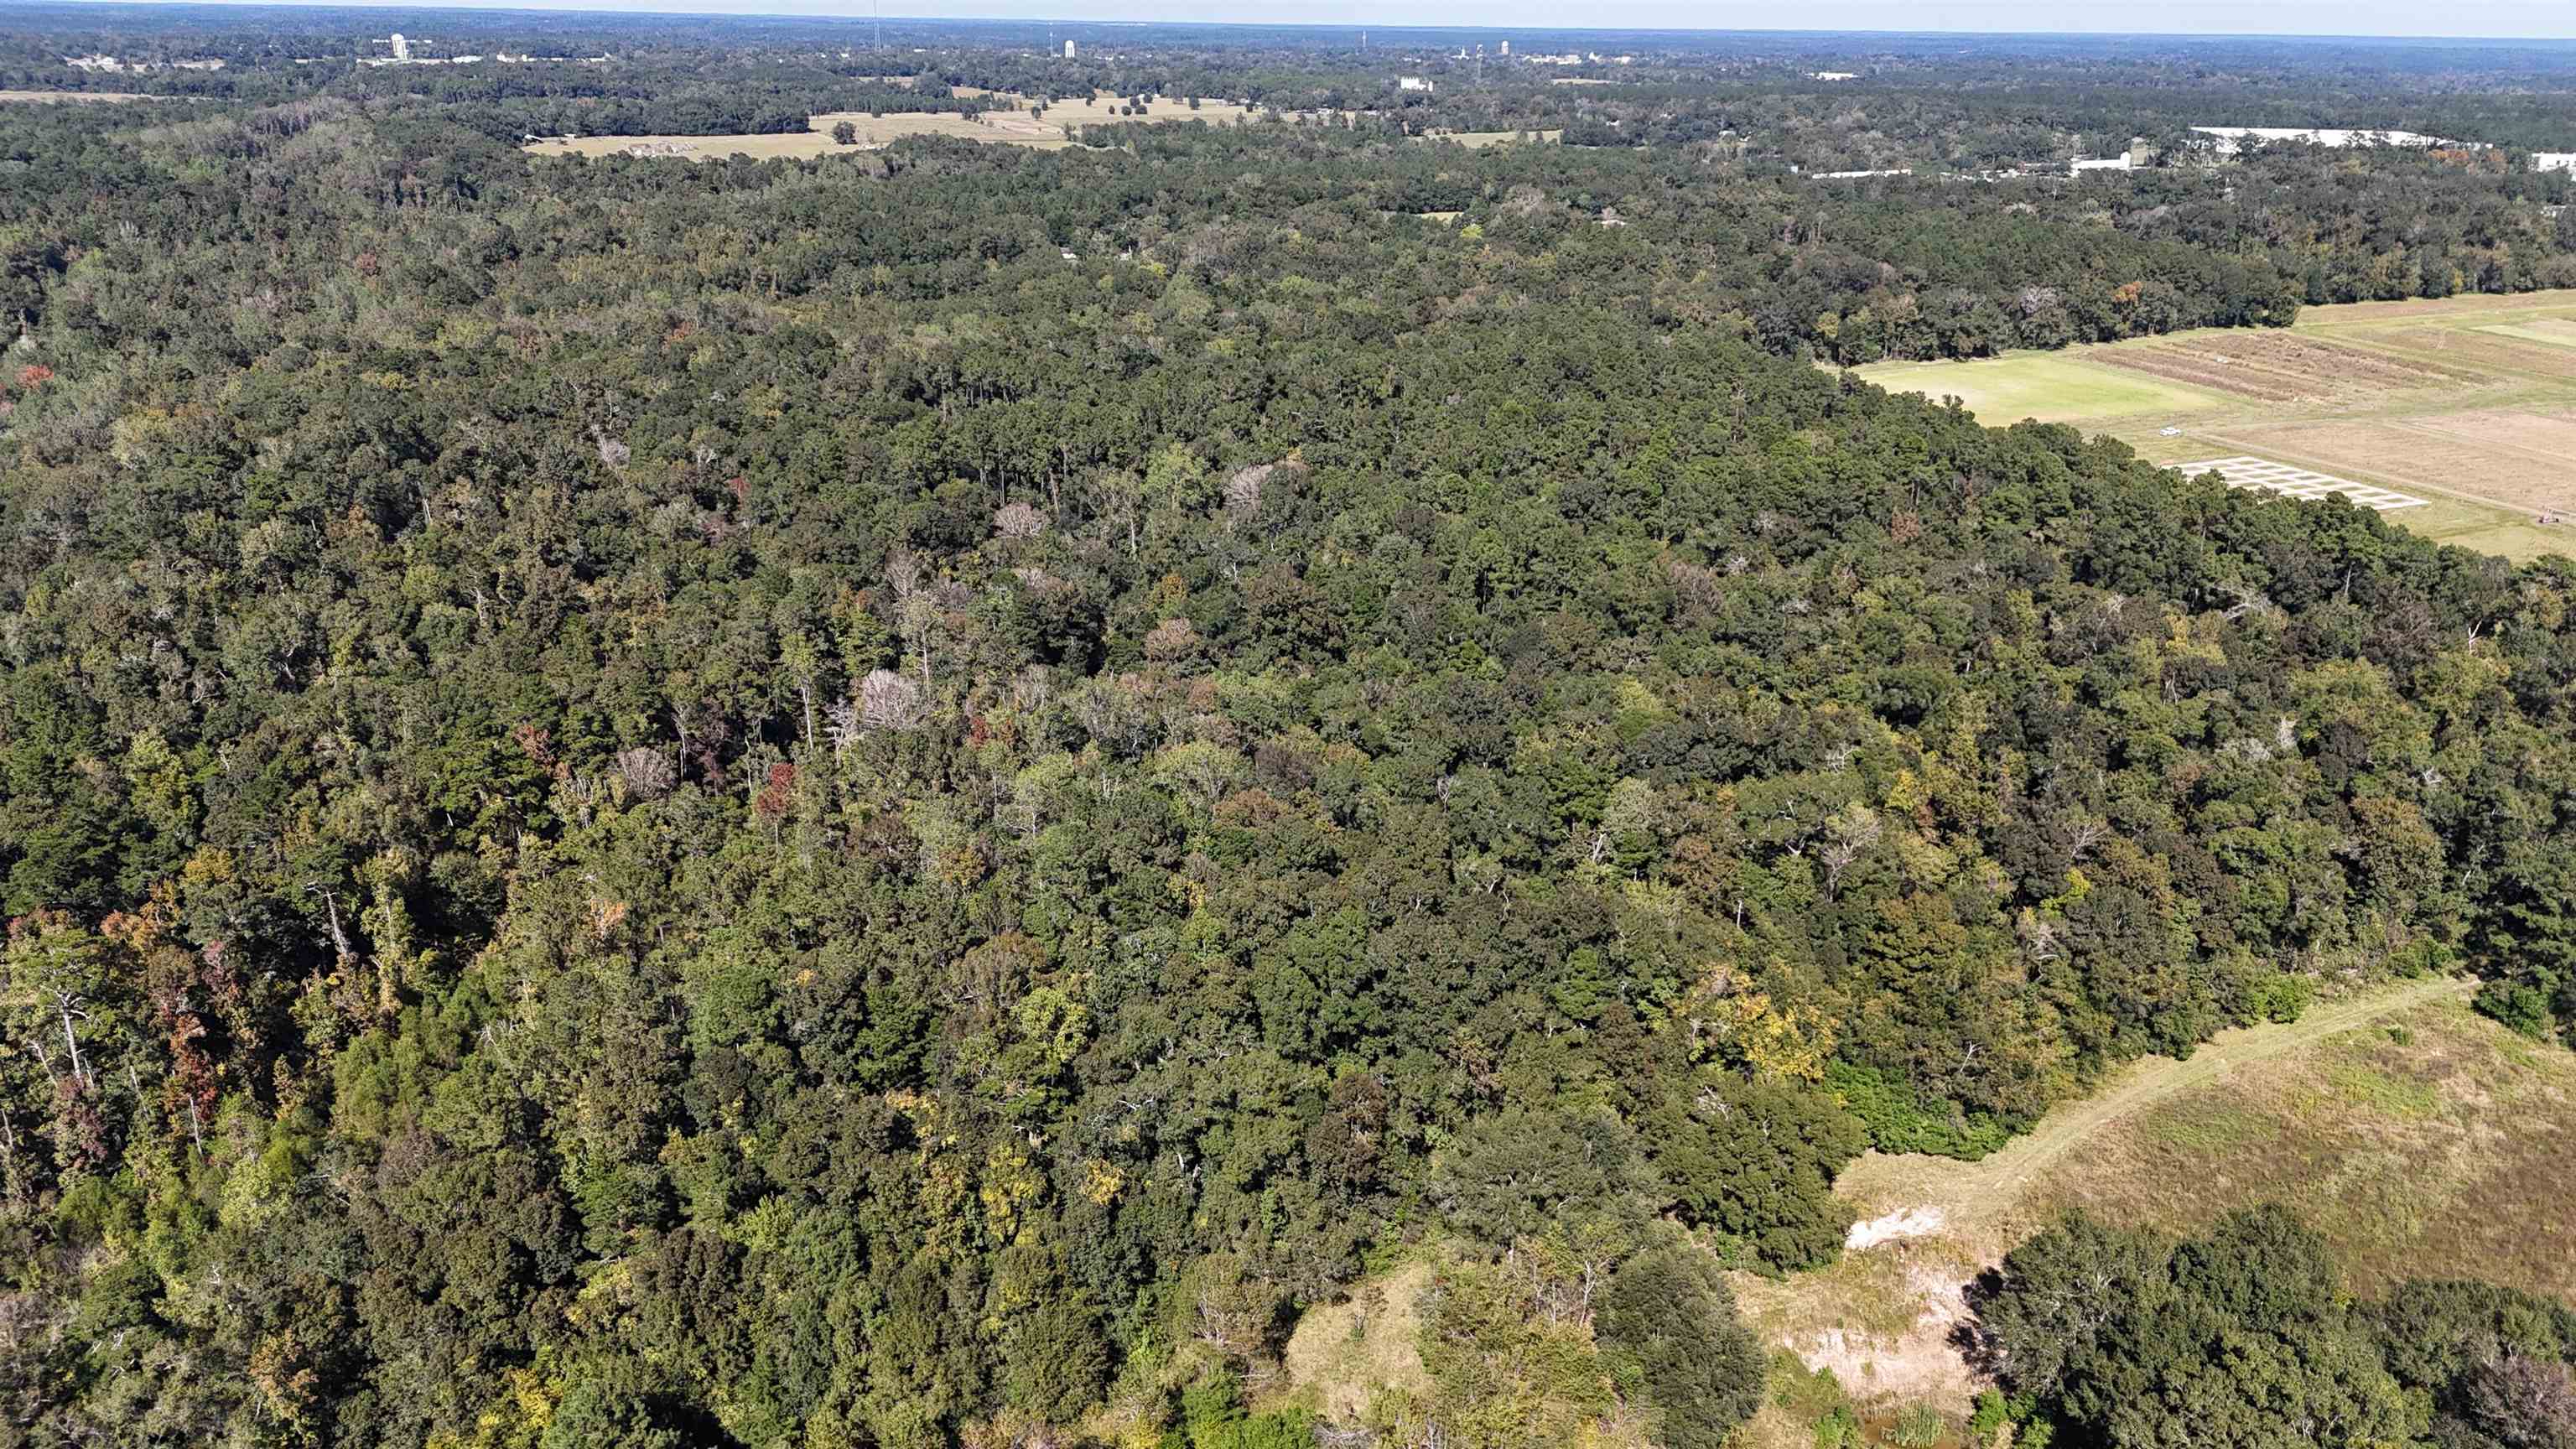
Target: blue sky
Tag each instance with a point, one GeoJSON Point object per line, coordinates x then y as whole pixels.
{"type": "Point", "coordinates": [2551, 19]}
{"type": "Point", "coordinates": [2536, 18]}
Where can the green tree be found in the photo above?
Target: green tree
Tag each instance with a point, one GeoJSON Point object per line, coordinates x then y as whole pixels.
{"type": "Point", "coordinates": [1670, 1313]}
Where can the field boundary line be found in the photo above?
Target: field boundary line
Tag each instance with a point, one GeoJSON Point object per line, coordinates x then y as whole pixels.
{"type": "Point", "coordinates": [2416, 425]}
{"type": "Point", "coordinates": [2365, 475]}
{"type": "Point", "coordinates": [2554, 382]}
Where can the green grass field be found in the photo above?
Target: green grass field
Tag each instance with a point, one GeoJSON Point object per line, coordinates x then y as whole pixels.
{"type": "Point", "coordinates": [2552, 331]}
{"type": "Point", "coordinates": [2052, 387]}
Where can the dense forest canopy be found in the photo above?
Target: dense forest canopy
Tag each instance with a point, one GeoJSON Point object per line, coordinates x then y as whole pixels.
{"type": "Point", "coordinates": [904, 799]}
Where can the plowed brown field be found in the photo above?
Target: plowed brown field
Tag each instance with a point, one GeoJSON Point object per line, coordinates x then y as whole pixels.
{"type": "Point", "coordinates": [2286, 367]}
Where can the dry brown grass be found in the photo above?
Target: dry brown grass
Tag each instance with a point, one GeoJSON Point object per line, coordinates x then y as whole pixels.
{"type": "Point", "coordinates": [2420, 1137]}
{"type": "Point", "coordinates": [101, 97]}
{"type": "Point", "coordinates": [2457, 401]}
{"type": "Point", "coordinates": [1479, 140]}
{"type": "Point", "coordinates": [1342, 1354]}
{"type": "Point", "coordinates": [2477, 347]}
{"type": "Point", "coordinates": [1010, 128]}
{"type": "Point", "coordinates": [2449, 1153]}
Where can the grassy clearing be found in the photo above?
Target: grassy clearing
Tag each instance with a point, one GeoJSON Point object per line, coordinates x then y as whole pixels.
{"type": "Point", "coordinates": [1479, 140]}
{"type": "Point", "coordinates": [2445, 1148]}
{"type": "Point", "coordinates": [2424, 463]}
{"type": "Point", "coordinates": [2555, 331]}
{"type": "Point", "coordinates": [1344, 1354]}
{"type": "Point", "coordinates": [2423, 1139]}
{"type": "Point", "coordinates": [2051, 387]}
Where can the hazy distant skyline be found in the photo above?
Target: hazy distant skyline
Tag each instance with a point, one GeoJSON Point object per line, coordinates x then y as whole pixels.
{"type": "Point", "coordinates": [2464, 19]}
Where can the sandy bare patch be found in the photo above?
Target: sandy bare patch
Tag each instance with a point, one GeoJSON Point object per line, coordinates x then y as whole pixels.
{"type": "Point", "coordinates": [1903, 1223]}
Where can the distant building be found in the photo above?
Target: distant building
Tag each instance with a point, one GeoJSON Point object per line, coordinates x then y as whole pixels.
{"type": "Point", "coordinates": [402, 47]}
{"type": "Point", "coordinates": [1507, 47]}
{"type": "Point", "coordinates": [1068, 50]}
{"type": "Point", "coordinates": [113, 66]}
{"type": "Point", "coordinates": [1833, 75]}
{"type": "Point", "coordinates": [2553, 160]}
{"type": "Point", "coordinates": [1414, 83]}
{"type": "Point", "coordinates": [2232, 139]}
{"type": "Point", "coordinates": [2138, 154]}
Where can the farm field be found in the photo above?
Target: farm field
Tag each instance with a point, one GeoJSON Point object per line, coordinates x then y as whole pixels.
{"type": "Point", "coordinates": [2466, 402]}
{"type": "Point", "coordinates": [94, 97]}
{"type": "Point", "coordinates": [2423, 1139]}
{"type": "Point", "coordinates": [1014, 128]}
{"type": "Point", "coordinates": [2052, 387]}
{"type": "Point", "coordinates": [1479, 140]}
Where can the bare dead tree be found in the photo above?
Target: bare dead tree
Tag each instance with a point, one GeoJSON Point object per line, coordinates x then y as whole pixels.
{"type": "Point", "coordinates": [889, 701]}
{"type": "Point", "coordinates": [648, 773]}
{"type": "Point", "coordinates": [841, 726]}
{"type": "Point", "coordinates": [331, 908]}
{"type": "Point", "coordinates": [1016, 521]}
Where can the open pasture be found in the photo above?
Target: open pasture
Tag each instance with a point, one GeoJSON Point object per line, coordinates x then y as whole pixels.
{"type": "Point", "coordinates": [793, 145]}
{"type": "Point", "coordinates": [2493, 350]}
{"type": "Point", "coordinates": [2469, 455]}
{"type": "Point", "coordinates": [2465, 404]}
{"type": "Point", "coordinates": [2556, 331]}
{"type": "Point", "coordinates": [2052, 387]}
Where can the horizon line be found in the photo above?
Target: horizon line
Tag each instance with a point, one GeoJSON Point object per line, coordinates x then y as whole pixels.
{"type": "Point", "coordinates": [853, 15]}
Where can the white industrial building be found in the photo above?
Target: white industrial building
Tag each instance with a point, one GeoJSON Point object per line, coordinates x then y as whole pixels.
{"type": "Point", "coordinates": [2130, 160]}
